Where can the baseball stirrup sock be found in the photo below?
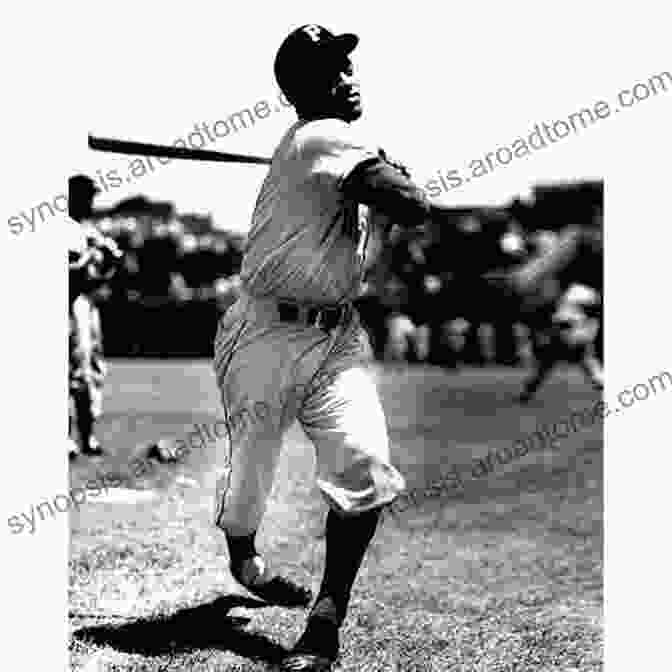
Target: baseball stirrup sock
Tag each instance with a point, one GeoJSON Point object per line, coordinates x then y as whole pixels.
{"type": "Point", "coordinates": [240, 550]}
{"type": "Point", "coordinates": [347, 541]}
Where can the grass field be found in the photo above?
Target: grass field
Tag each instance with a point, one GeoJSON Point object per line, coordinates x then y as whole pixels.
{"type": "Point", "coordinates": [504, 575]}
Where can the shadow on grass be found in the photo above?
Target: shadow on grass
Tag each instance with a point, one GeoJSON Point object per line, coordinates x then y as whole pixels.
{"type": "Point", "coordinates": [204, 626]}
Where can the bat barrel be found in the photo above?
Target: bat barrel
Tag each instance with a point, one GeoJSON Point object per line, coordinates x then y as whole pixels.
{"type": "Point", "coordinates": [170, 152]}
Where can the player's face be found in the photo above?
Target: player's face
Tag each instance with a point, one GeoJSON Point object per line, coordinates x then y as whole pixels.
{"type": "Point", "coordinates": [80, 208]}
{"type": "Point", "coordinates": [344, 92]}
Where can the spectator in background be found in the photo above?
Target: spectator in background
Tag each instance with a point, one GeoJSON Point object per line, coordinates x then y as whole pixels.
{"type": "Point", "coordinates": [227, 291]}
{"type": "Point", "coordinates": [225, 257]}
{"type": "Point", "coordinates": [160, 289]}
{"type": "Point", "coordinates": [433, 295]}
{"type": "Point", "coordinates": [513, 250]}
{"type": "Point", "coordinates": [188, 261]}
{"type": "Point", "coordinates": [237, 244]}
{"type": "Point", "coordinates": [384, 305]}
{"type": "Point", "coordinates": [466, 300]}
{"type": "Point", "coordinates": [158, 261]}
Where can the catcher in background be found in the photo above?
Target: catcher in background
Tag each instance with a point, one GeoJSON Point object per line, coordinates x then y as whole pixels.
{"type": "Point", "coordinates": [93, 261]}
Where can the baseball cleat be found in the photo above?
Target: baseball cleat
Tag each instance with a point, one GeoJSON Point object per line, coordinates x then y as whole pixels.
{"type": "Point", "coordinates": [306, 662]}
{"type": "Point", "coordinates": [281, 592]}
{"type": "Point", "coordinates": [92, 448]}
{"type": "Point", "coordinates": [277, 590]}
{"type": "Point", "coordinates": [73, 450]}
{"type": "Point", "coordinates": [317, 648]}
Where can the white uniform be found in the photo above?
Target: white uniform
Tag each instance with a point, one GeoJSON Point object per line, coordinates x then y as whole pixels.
{"type": "Point", "coordinates": [576, 329]}
{"type": "Point", "coordinates": [307, 244]}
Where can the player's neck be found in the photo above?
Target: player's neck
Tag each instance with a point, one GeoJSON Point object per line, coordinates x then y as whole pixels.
{"type": "Point", "coordinates": [316, 115]}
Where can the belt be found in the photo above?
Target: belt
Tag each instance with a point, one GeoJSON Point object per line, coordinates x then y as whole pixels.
{"type": "Point", "coordinates": [325, 317]}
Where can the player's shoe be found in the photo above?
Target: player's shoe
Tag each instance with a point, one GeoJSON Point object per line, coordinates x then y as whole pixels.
{"type": "Point", "coordinates": [306, 662]}
{"type": "Point", "coordinates": [317, 648]}
{"type": "Point", "coordinates": [274, 589]}
{"type": "Point", "coordinates": [73, 450]}
{"type": "Point", "coordinates": [92, 448]}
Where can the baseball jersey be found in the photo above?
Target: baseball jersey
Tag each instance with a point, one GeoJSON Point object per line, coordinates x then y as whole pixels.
{"type": "Point", "coordinates": [307, 241]}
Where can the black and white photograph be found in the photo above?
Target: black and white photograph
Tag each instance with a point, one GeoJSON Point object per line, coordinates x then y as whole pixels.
{"type": "Point", "coordinates": [335, 395]}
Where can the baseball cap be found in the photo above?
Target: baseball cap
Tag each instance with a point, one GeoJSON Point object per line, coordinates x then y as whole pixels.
{"type": "Point", "coordinates": [309, 48]}
{"type": "Point", "coordinates": [82, 184]}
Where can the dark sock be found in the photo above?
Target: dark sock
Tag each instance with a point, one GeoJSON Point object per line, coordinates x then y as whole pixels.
{"type": "Point", "coordinates": [347, 541]}
{"type": "Point", "coordinates": [240, 549]}
{"type": "Point", "coordinates": [320, 637]}
{"type": "Point", "coordinates": [84, 419]}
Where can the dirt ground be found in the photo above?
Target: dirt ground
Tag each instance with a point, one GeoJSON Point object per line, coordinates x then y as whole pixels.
{"type": "Point", "coordinates": [503, 574]}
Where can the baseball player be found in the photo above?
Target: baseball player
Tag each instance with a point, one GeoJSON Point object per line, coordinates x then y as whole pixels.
{"type": "Point", "coordinates": [565, 313]}
{"type": "Point", "coordinates": [293, 346]}
{"type": "Point", "coordinates": [93, 260]}
{"type": "Point", "coordinates": [568, 334]}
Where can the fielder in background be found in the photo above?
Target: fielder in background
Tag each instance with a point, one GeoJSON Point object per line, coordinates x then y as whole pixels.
{"type": "Point", "coordinates": [93, 261]}
{"type": "Point", "coordinates": [569, 334]}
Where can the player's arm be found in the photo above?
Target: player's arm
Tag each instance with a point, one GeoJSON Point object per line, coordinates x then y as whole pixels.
{"type": "Point", "coordinates": [331, 155]}
{"type": "Point", "coordinates": [376, 183]}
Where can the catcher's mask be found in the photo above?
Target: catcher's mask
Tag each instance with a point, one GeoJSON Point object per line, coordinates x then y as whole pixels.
{"type": "Point", "coordinates": [307, 50]}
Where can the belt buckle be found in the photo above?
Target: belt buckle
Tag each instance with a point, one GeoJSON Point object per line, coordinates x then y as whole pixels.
{"type": "Point", "coordinates": [319, 318]}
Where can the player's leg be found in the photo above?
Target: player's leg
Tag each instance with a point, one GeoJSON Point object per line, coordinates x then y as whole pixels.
{"type": "Point", "coordinates": [535, 381]}
{"type": "Point", "coordinates": [592, 368]}
{"type": "Point", "coordinates": [398, 344]}
{"type": "Point", "coordinates": [420, 343]}
{"type": "Point", "coordinates": [97, 377]}
{"type": "Point", "coordinates": [83, 374]}
{"type": "Point", "coordinates": [84, 405]}
{"type": "Point", "coordinates": [347, 539]}
{"type": "Point", "coordinates": [242, 493]}
{"type": "Point", "coordinates": [258, 411]}
{"type": "Point", "coordinates": [73, 382]}
{"type": "Point", "coordinates": [344, 418]}
{"type": "Point", "coordinates": [74, 448]}
{"type": "Point", "coordinates": [544, 361]}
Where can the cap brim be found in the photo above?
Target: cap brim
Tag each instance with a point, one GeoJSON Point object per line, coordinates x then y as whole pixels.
{"type": "Point", "coordinates": [344, 44]}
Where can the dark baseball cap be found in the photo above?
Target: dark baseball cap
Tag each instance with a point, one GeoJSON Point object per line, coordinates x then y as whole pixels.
{"type": "Point", "coordinates": [309, 48]}
{"type": "Point", "coordinates": [82, 184]}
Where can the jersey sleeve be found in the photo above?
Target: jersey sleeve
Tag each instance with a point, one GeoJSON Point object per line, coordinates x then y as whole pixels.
{"type": "Point", "coordinates": [330, 151]}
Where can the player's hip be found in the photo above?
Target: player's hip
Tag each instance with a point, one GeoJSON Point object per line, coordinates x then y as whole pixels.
{"type": "Point", "coordinates": [258, 329]}
{"type": "Point", "coordinates": [250, 318]}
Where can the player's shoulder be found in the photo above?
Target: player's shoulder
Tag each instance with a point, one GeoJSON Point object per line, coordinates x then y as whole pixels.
{"type": "Point", "coordinates": [325, 134]}
{"type": "Point", "coordinates": [324, 128]}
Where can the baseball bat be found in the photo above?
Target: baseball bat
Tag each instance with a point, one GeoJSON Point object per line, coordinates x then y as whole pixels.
{"type": "Point", "coordinates": [170, 152]}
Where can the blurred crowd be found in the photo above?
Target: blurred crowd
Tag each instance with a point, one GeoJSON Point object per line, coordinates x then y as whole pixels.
{"type": "Point", "coordinates": [147, 281]}
{"type": "Point", "coordinates": [424, 303]}
{"type": "Point", "coordinates": [180, 273]}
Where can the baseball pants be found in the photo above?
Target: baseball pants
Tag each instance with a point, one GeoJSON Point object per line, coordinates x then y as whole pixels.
{"type": "Point", "coordinates": [271, 373]}
{"type": "Point", "coordinates": [87, 367]}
